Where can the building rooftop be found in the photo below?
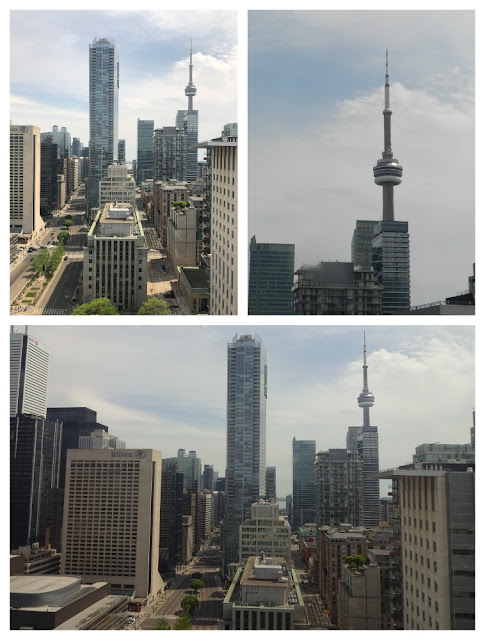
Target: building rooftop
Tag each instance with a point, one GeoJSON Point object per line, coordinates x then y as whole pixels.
{"type": "Point", "coordinates": [195, 277]}
{"type": "Point", "coordinates": [259, 572]}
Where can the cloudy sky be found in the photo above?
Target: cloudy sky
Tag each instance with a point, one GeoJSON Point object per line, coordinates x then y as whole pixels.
{"type": "Point", "coordinates": [316, 95]}
{"type": "Point", "coordinates": [165, 387]}
{"type": "Point", "coordinates": [50, 73]}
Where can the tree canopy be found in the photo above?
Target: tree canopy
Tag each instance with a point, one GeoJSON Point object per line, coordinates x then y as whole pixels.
{"type": "Point", "coordinates": [189, 603]}
{"type": "Point", "coordinates": [354, 562]}
{"type": "Point", "coordinates": [97, 307]}
{"type": "Point", "coordinates": [196, 584]}
{"type": "Point", "coordinates": [162, 625]}
{"type": "Point", "coordinates": [183, 623]}
{"type": "Point", "coordinates": [154, 307]}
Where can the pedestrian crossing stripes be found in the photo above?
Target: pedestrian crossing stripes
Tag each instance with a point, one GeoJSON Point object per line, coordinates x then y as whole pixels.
{"type": "Point", "coordinates": [75, 254]}
{"type": "Point", "coordinates": [195, 620]}
{"type": "Point", "coordinates": [45, 311]}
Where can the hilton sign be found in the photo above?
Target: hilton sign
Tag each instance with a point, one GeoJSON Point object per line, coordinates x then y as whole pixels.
{"type": "Point", "coordinates": [126, 454]}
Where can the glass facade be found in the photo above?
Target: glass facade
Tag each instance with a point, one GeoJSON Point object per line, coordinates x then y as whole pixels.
{"type": "Point", "coordinates": [271, 275]}
{"type": "Point", "coordinates": [304, 492]}
{"type": "Point", "coordinates": [390, 259]}
{"type": "Point", "coordinates": [144, 158]}
{"type": "Point", "coordinates": [246, 435]}
{"type": "Point", "coordinates": [362, 242]}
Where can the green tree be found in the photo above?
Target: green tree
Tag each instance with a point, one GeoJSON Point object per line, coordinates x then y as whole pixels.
{"type": "Point", "coordinates": [181, 204]}
{"type": "Point", "coordinates": [97, 307]}
{"type": "Point", "coordinates": [354, 562]}
{"type": "Point", "coordinates": [154, 307]}
{"type": "Point", "coordinates": [196, 584]}
{"type": "Point", "coordinates": [183, 623]}
{"type": "Point", "coordinates": [68, 217]}
{"type": "Point", "coordinates": [55, 260]}
{"type": "Point", "coordinates": [189, 603]}
{"type": "Point", "coordinates": [68, 223]}
{"type": "Point", "coordinates": [197, 575]}
{"type": "Point", "coordinates": [63, 236]}
{"type": "Point", "coordinates": [162, 625]}
{"type": "Point", "coordinates": [41, 261]}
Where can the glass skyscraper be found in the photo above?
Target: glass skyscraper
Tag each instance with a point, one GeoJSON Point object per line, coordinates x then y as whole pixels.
{"type": "Point", "coordinates": [144, 154]}
{"type": "Point", "coordinates": [390, 260]}
{"type": "Point", "coordinates": [271, 275]}
{"type": "Point", "coordinates": [246, 436]}
{"type": "Point", "coordinates": [103, 113]}
{"type": "Point", "coordinates": [304, 494]}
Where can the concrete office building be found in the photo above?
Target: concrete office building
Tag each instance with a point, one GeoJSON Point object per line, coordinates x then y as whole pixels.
{"type": "Point", "coordinates": [184, 246]}
{"type": "Point", "coordinates": [144, 158]}
{"type": "Point", "coordinates": [338, 488]}
{"type": "Point", "coordinates": [270, 483]}
{"type": "Point", "coordinates": [359, 598]}
{"type": "Point", "coordinates": [439, 452]}
{"type": "Point", "coordinates": [204, 516]}
{"type": "Point", "coordinates": [265, 531]}
{"type": "Point", "coordinates": [222, 169]}
{"type": "Point", "coordinates": [271, 275]}
{"type": "Point", "coordinates": [117, 186]}
{"type": "Point", "coordinates": [304, 491]}
{"type": "Point", "coordinates": [25, 215]}
{"type": "Point", "coordinates": [433, 555]}
{"type": "Point", "coordinates": [332, 544]}
{"type": "Point", "coordinates": [336, 288]}
{"type": "Point", "coordinates": [264, 596]}
{"type": "Point", "coordinates": [38, 560]}
{"type": "Point", "coordinates": [111, 523]}
{"type": "Point", "coordinates": [29, 371]}
{"type": "Point", "coordinates": [189, 121]}
{"type": "Point", "coordinates": [390, 245]}
{"type": "Point", "coordinates": [365, 441]}
{"type": "Point", "coordinates": [246, 436]}
{"type": "Point", "coordinates": [169, 154]}
{"type": "Point", "coordinates": [103, 115]}
{"type": "Point", "coordinates": [164, 193]}
{"type": "Point", "coordinates": [100, 439]}
{"type": "Point", "coordinates": [115, 259]}
{"type": "Point", "coordinates": [72, 175]}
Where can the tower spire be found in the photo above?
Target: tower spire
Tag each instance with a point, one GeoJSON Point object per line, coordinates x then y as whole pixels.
{"type": "Point", "coordinates": [387, 171]}
{"type": "Point", "coordinates": [190, 89]}
{"type": "Point", "coordinates": [365, 399]}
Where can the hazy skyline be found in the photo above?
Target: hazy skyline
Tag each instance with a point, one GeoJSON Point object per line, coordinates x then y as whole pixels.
{"type": "Point", "coordinates": [165, 387]}
{"type": "Point", "coordinates": [316, 95]}
{"type": "Point", "coordinates": [50, 75]}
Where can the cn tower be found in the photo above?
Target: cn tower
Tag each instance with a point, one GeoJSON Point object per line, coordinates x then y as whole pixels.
{"type": "Point", "coordinates": [387, 171]}
{"type": "Point", "coordinates": [190, 89]}
{"type": "Point", "coordinates": [365, 399]}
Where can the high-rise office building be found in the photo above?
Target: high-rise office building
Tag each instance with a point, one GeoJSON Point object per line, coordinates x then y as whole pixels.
{"type": "Point", "coordinates": [76, 147]}
{"type": "Point", "coordinates": [190, 466]}
{"type": "Point", "coordinates": [169, 154]}
{"type": "Point", "coordinates": [246, 436]}
{"type": "Point", "coordinates": [271, 275]}
{"type": "Point", "coordinates": [49, 164]}
{"type": "Point", "coordinates": [171, 514]}
{"type": "Point", "coordinates": [222, 170]}
{"type": "Point", "coordinates": [115, 259]}
{"type": "Point", "coordinates": [338, 478]}
{"type": "Point", "coordinates": [304, 492]}
{"type": "Point", "coordinates": [208, 477]}
{"type": "Point", "coordinates": [144, 158]}
{"type": "Point", "coordinates": [111, 526]}
{"type": "Point", "coordinates": [390, 245]}
{"type": "Point", "coordinates": [270, 483]}
{"type": "Point", "coordinates": [61, 137]}
{"type": "Point", "coordinates": [365, 441]}
{"type": "Point", "coordinates": [122, 151]}
{"type": "Point", "coordinates": [189, 121]}
{"type": "Point", "coordinates": [361, 248]}
{"type": "Point", "coordinates": [265, 531]}
{"type": "Point", "coordinates": [433, 551]}
{"type": "Point", "coordinates": [117, 186]}
{"type": "Point", "coordinates": [29, 370]}
{"type": "Point", "coordinates": [103, 114]}
{"type": "Point", "coordinates": [25, 215]}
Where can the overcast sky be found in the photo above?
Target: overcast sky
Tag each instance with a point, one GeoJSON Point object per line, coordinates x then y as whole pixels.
{"type": "Point", "coordinates": [50, 68]}
{"type": "Point", "coordinates": [316, 95]}
{"type": "Point", "coordinates": [165, 387]}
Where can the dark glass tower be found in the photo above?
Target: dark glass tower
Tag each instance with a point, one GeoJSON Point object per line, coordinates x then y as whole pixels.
{"type": "Point", "coordinates": [103, 114]}
{"type": "Point", "coordinates": [390, 245]}
{"type": "Point", "coordinates": [246, 436]}
{"type": "Point", "coordinates": [144, 158]}
{"type": "Point", "coordinates": [271, 275]}
{"type": "Point", "coordinates": [304, 493]}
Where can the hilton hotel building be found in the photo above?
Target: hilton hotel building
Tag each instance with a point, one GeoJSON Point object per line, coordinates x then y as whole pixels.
{"type": "Point", "coordinates": [112, 518]}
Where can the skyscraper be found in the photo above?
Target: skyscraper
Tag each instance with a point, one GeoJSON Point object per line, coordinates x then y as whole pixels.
{"type": "Point", "coordinates": [270, 483]}
{"type": "Point", "coordinates": [25, 181]}
{"type": "Point", "coordinates": [365, 441]}
{"type": "Point", "coordinates": [304, 496]}
{"type": "Point", "coordinates": [271, 275]}
{"type": "Point", "coordinates": [144, 158]}
{"type": "Point", "coordinates": [122, 151]}
{"type": "Point", "coordinates": [29, 370]}
{"type": "Point", "coordinates": [103, 114]}
{"type": "Point", "coordinates": [390, 245]}
{"type": "Point", "coordinates": [189, 120]}
{"type": "Point", "coordinates": [246, 436]}
{"type": "Point", "coordinates": [169, 154]}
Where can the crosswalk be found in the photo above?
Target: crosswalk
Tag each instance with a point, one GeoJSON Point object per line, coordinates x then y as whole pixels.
{"type": "Point", "coordinates": [195, 620]}
{"type": "Point", "coordinates": [75, 254]}
{"type": "Point", "coordinates": [41, 311]}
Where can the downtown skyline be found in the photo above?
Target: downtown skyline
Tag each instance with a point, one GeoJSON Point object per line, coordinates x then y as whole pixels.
{"type": "Point", "coordinates": [327, 78]}
{"type": "Point", "coordinates": [172, 393]}
{"type": "Point", "coordinates": [154, 49]}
